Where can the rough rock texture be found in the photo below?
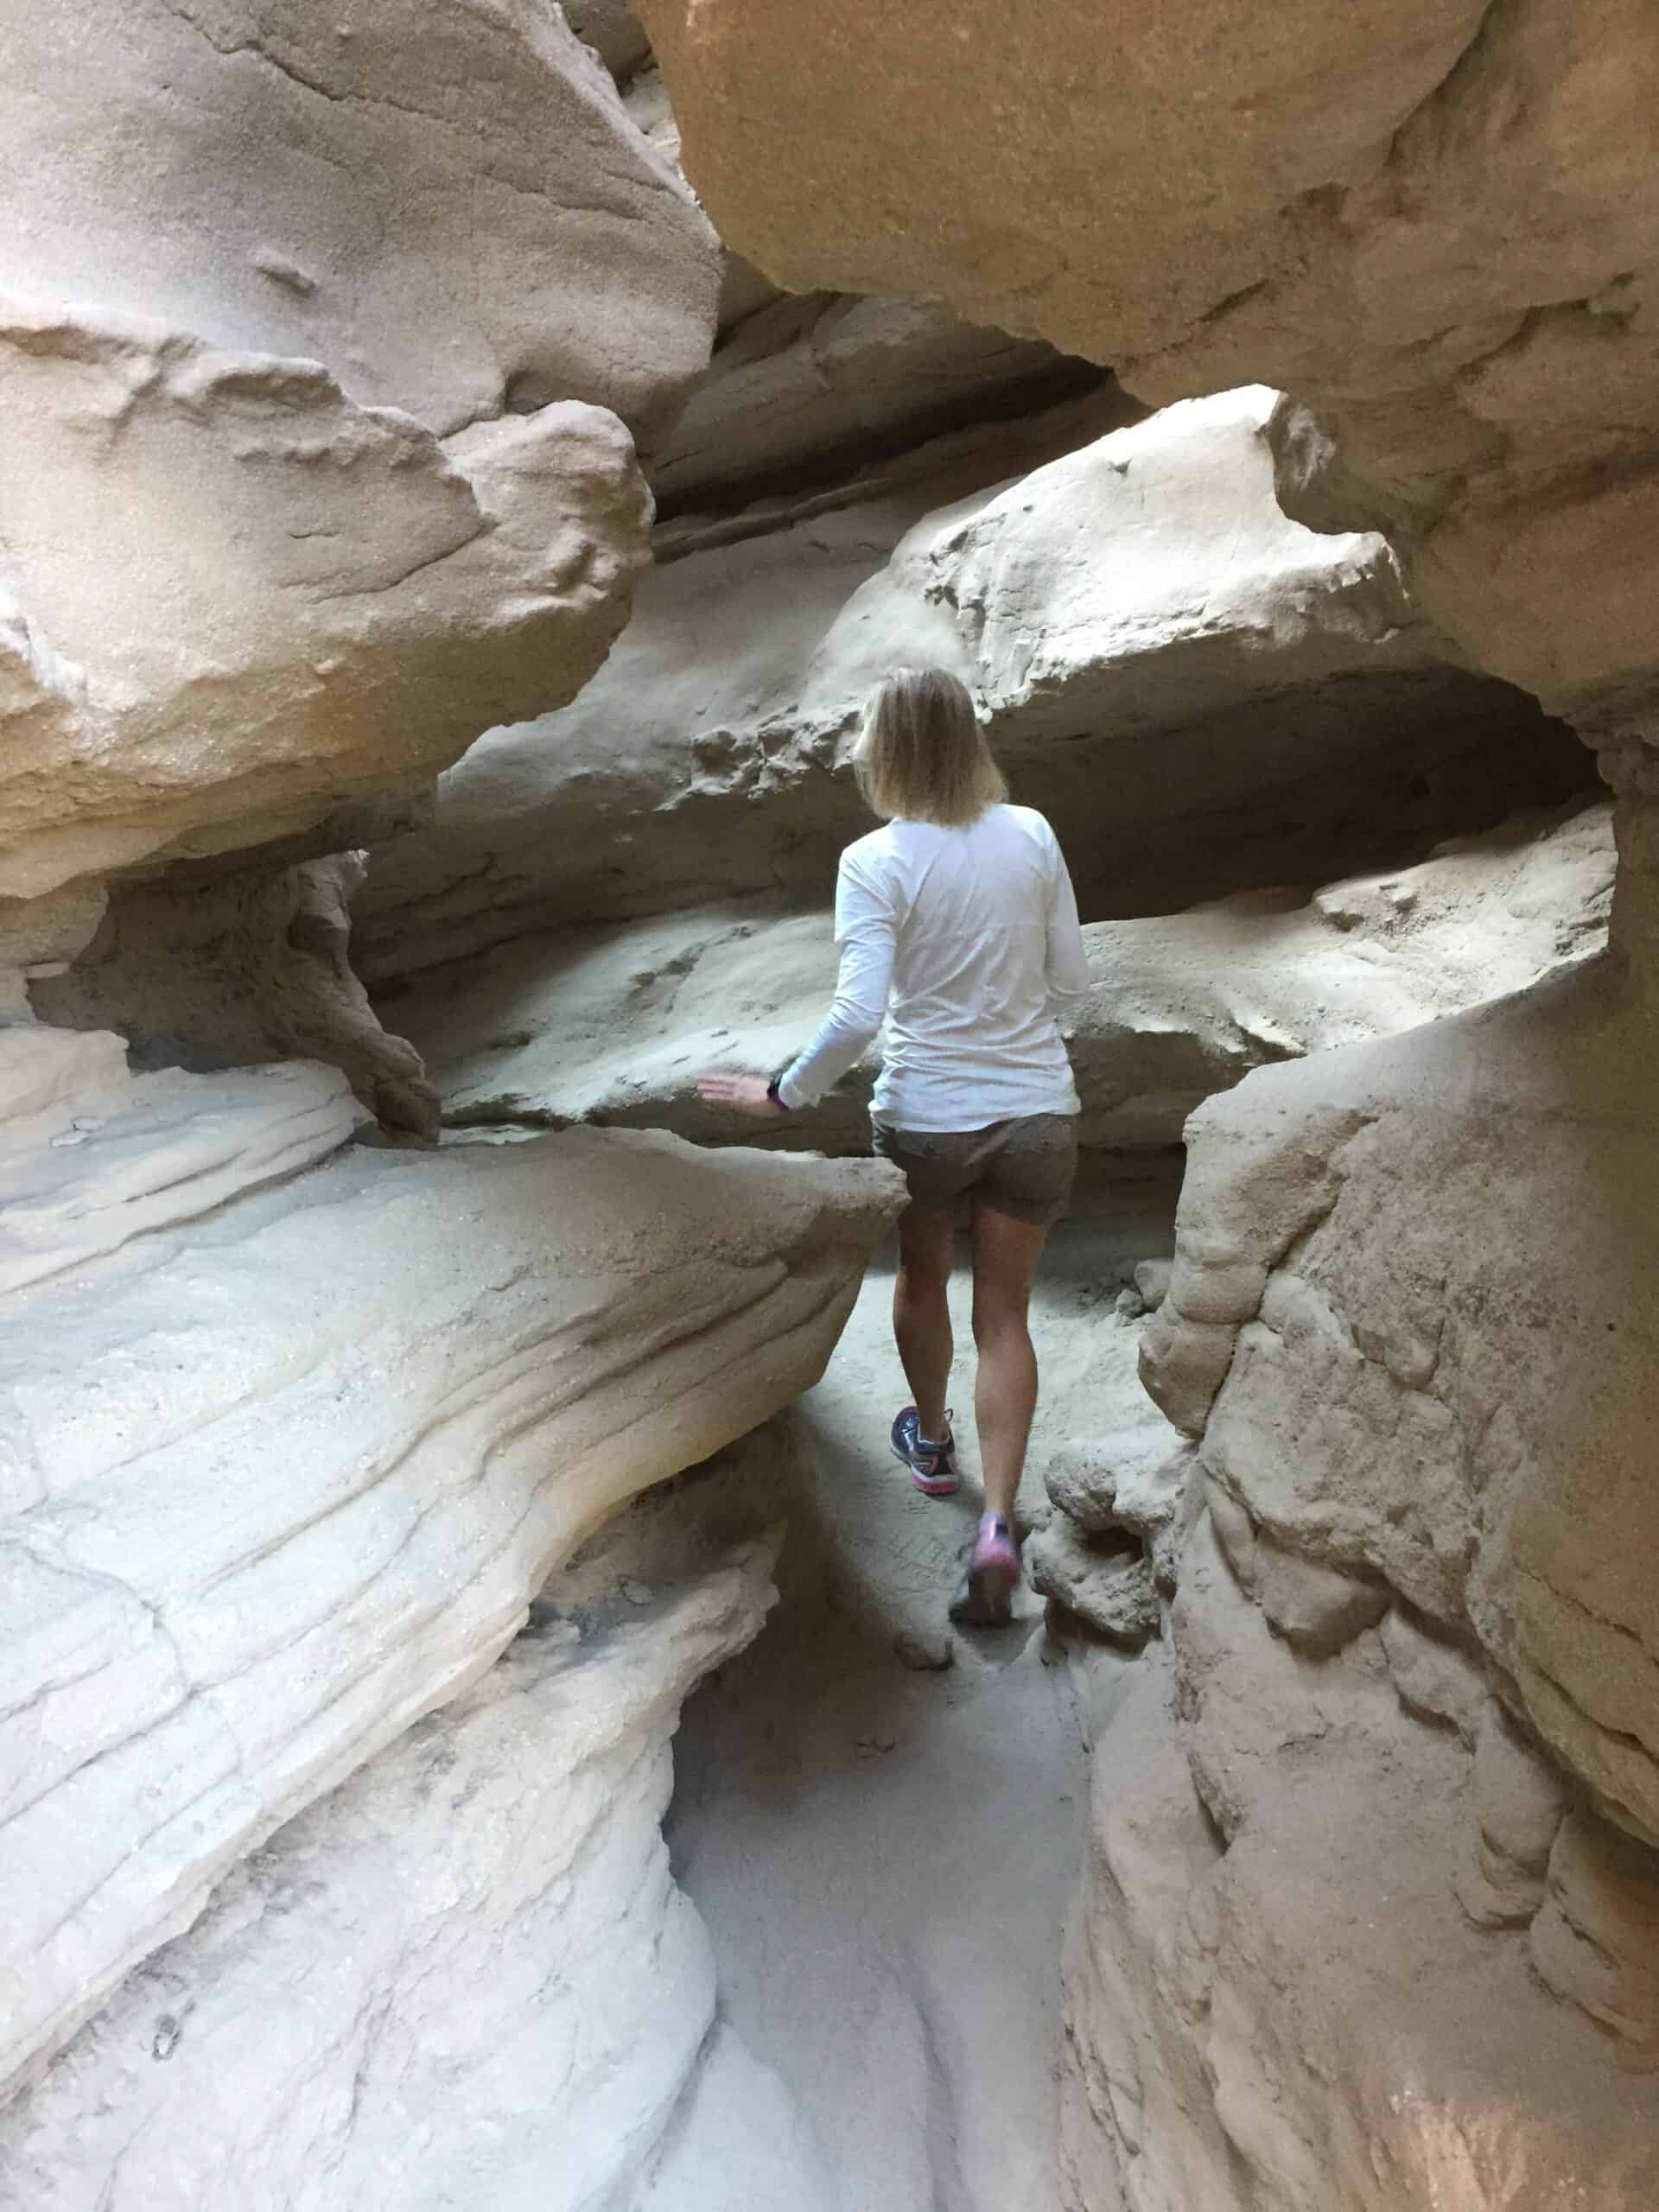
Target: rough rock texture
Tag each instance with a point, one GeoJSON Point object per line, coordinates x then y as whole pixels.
{"type": "Point", "coordinates": [213, 968]}
{"type": "Point", "coordinates": [1223, 698]}
{"type": "Point", "coordinates": [810, 388]}
{"type": "Point", "coordinates": [613, 1025]}
{"type": "Point", "coordinates": [1361, 1325]}
{"type": "Point", "coordinates": [1274, 1996]}
{"type": "Point", "coordinates": [468, 1969]}
{"type": "Point", "coordinates": [282, 1476]}
{"type": "Point", "coordinates": [268, 546]}
{"type": "Point", "coordinates": [1322, 197]}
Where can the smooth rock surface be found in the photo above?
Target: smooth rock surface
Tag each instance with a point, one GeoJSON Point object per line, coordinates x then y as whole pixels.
{"type": "Point", "coordinates": [241, 596]}
{"type": "Point", "coordinates": [466, 1970]}
{"type": "Point", "coordinates": [1223, 699]}
{"type": "Point", "coordinates": [613, 1025]}
{"type": "Point", "coordinates": [446, 204]}
{"type": "Point", "coordinates": [282, 1480]}
{"type": "Point", "coordinates": [1321, 197]}
{"type": "Point", "coordinates": [319, 449]}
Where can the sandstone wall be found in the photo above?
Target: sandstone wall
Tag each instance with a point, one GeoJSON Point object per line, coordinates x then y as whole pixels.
{"type": "Point", "coordinates": [319, 446]}
{"type": "Point", "coordinates": [328, 353]}
{"type": "Point", "coordinates": [1409, 1326]}
{"type": "Point", "coordinates": [468, 1968]}
{"type": "Point", "coordinates": [1203, 695]}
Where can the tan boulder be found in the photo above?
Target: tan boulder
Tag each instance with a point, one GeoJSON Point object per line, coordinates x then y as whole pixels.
{"type": "Point", "coordinates": [1201, 694]}
{"type": "Point", "coordinates": [323, 350]}
{"type": "Point", "coordinates": [1322, 197]}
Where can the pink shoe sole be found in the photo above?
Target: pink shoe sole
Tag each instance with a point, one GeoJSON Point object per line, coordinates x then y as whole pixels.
{"type": "Point", "coordinates": [935, 1485]}
{"type": "Point", "coordinates": [985, 1597]}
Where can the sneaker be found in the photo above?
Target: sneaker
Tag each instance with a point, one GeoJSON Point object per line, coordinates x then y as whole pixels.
{"type": "Point", "coordinates": [933, 1466]}
{"type": "Point", "coordinates": [984, 1597]}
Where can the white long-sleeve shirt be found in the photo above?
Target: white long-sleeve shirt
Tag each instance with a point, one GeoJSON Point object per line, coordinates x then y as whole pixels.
{"type": "Point", "coordinates": [966, 941]}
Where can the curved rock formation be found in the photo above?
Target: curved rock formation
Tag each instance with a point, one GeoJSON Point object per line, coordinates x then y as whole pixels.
{"type": "Point", "coordinates": [283, 1481]}
{"type": "Point", "coordinates": [513, 1994]}
{"type": "Point", "coordinates": [1324, 199]}
{"type": "Point", "coordinates": [613, 1025]}
{"type": "Point", "coordinates": [1202, 695]}
{"type": "Point", "coordinates": [268, 546]}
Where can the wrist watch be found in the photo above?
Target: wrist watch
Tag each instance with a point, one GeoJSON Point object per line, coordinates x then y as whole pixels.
{"type": "Point", "coordinates": [771, 1092]}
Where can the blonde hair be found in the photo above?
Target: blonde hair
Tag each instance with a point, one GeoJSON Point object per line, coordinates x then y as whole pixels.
{"type": "Point", "coordinates": [921, 755]}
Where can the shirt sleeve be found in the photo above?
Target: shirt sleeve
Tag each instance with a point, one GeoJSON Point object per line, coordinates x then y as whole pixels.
{"type": "Point", "coordinates": [866, 927]}
{"type": "Point", "coordinates": [1067, 965]}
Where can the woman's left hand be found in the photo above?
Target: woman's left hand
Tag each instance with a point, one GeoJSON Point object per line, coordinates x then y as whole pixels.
{"type": "Point", "coordinates": [745, 1094]}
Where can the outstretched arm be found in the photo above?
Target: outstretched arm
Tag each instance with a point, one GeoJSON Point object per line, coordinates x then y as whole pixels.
{"type": "Point", "coordinates": [864, 930]}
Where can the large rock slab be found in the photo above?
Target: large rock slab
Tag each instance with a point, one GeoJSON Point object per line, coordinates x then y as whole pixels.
{"type": "Point", "coordinates": [447, 205]}
{"type": "Point", "coordinates": [466, 1969]}
{"type": "Point", "coordinates": [1275, 1999]}
{"type": "Point", "coordinates": [1322, 198]}
{"type": "Point", "coordinates": [613, 1025]}
{"type": "Point", "coordinates": [281, 1479]}
{"type": "Point", "coordinates": [237, 597]}
{"type": "Point", "coordinates": [299, 497]}
{"type": "Point", "coordinates": [1201, 694]}
{"type": "Point", "coordinates": [1412, 1319]}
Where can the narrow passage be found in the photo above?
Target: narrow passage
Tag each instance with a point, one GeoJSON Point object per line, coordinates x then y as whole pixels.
{"type": "Point", "coordinates": [886, 1853]}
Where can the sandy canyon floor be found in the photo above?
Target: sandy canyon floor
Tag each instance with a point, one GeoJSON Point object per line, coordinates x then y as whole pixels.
{"type": "Point", "coordinates": [886, 1850]}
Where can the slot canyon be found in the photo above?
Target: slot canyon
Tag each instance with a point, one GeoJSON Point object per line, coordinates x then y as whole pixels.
{"type": "Point", "coordinates": [480, 1722]}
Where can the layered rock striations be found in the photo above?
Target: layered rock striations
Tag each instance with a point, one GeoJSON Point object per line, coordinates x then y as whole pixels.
{"type": "Point", "coordinates": [1371, 1908]}
{"type": "Point", "coordinates": [1203, 696]}
{"type": "Point", "coordinates": [269, 547]}
{"type": "Point", "coordinates": [469, 1966]}
{"type": "Point", "coordinates": [613, 1024]}
{"type": "Point", "coordinates": [287, 1466]}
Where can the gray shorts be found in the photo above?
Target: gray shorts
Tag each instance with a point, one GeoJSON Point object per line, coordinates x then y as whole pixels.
{"type": "Point", "coordinates": [1024, 1167]}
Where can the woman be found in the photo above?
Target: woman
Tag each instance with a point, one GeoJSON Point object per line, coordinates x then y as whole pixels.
{"type": "Point", "coordinates": [957, 923]}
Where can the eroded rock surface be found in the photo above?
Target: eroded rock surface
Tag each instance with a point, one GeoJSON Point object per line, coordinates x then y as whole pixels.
{"type": "Point", "coordinates": [268, 545]}
{"type": "Point", "coordinates": [1275, 1995]}
{"type": "Point", "coordinates": [1382, 1382]}
{"type": "Point", "coordinates": [1202, 696]}
{"type": "Point", "coordinates": [283, 1478]}
{"type": "Point", "coordinates": [1323, 198]}
{"type": "Point", "coordinates": [469, 1966]}
{"type": "Point", "coordinates": [613, 1025]}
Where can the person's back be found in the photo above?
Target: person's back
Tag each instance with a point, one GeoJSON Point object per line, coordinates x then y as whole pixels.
{"type": "Point", "coordinates": [956, 923]}
{"type": "Point", "coordinates": [972, 1035]}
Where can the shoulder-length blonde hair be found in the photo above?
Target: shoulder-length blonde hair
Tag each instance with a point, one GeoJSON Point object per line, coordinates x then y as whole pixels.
{"type": "Point", "coordinates": [921, 756]}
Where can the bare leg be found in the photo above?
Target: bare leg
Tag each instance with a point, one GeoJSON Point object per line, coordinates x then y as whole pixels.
{"type": "Point", "coordinates": [921, 1314]}
{"type": "Point", "coordinates": [1006, 1252]}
